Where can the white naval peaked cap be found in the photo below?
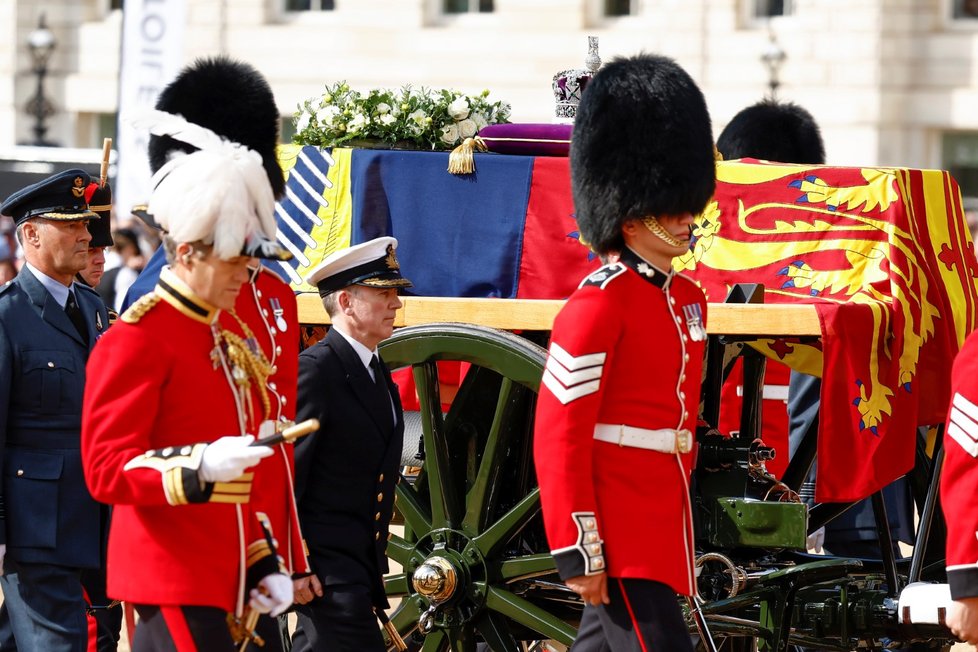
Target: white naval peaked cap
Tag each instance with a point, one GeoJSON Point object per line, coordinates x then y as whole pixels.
{"type": "Point", "coordinates": [372, 263]}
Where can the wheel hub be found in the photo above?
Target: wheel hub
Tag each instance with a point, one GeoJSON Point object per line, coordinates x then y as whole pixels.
{"type": "Point", "coordinates": [448, 573]}
{"type": "Point", "coordinates": [436, 579]}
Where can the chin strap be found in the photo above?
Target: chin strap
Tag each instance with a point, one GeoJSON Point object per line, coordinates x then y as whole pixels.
{"type": "Point", "coordinates": [653, 225]}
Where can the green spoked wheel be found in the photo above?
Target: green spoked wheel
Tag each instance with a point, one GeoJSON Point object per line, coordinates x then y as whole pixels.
{"type": "Point", "coordinates": [476, 567]}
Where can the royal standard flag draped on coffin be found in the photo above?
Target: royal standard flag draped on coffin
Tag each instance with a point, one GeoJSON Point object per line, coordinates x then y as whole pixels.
{"type": "Point", "coordinates": [886, 257]}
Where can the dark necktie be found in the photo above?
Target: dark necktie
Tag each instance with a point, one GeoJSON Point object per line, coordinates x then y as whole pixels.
{"type": "Point", "coordinates": [75, 315]}
{"type": "Point", "coordinates": [381, 383]}
{"type": "Point", "coordinates": [378, 374]}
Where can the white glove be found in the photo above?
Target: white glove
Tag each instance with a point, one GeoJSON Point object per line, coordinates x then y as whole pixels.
{"type": "Point", "coordinates": [814, 542]}
{"type": "Point", "coordinates": [228, 457]}
{"type": "Point", "coordinates": [273, 594]}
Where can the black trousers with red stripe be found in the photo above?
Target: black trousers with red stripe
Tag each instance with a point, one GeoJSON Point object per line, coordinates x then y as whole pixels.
{"type": "Point", "coordinates": [644, 616]}
{"type": "Point", "coordinates": [182, 629]}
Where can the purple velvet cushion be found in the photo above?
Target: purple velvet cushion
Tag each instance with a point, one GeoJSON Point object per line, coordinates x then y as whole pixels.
{"type": "Point", "coordinates": [531, 139]}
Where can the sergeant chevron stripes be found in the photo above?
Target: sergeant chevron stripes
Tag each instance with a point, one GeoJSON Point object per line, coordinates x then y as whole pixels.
{"type": "Point", "coordinates": [963, 425]}
{"type": "Point", "coordinates": [570, 377]}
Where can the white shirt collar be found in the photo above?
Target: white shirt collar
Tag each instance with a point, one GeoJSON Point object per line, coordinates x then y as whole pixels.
{"type": "Point", "coordinates": [57, 289]}
{"type": "Point", "coordinates": [362, 351]}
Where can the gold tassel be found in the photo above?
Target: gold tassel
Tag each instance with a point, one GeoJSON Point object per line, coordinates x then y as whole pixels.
{"type": "Point", "coordinates": [462, 159]}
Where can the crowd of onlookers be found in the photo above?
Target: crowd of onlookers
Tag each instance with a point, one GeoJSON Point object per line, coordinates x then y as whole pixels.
{"type": "Point", "coordinates": [133, 244]}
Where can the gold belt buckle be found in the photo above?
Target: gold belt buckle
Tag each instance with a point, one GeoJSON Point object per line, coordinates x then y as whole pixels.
{"type": "Point", "coordinates": [684, 440]}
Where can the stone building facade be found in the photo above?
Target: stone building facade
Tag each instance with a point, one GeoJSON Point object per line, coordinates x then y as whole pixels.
{"type": "Point", "coordinates": [892, 82]}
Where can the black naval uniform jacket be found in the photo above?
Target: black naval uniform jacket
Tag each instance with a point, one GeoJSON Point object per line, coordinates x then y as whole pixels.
{"type": "Point", "coordinates": [346, 472]}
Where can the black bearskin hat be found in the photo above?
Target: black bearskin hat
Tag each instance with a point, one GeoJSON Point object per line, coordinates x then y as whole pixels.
{"type": "Point", "coordinates": [772, 131]}
{"type": "Point", "coordinates": [230, 98]}
{"type": "Point", "coordinates": [642, 146]}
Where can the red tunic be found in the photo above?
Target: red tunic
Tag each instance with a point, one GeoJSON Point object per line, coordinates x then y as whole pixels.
{"type": "Point", "coordinates": [959, 478]}
{"type": "Point", "coordinates": [161, 393]}
{"type": "Point", "coordinates": [626, 349]}
{"type": "Point", "coordinates": [268, 306]}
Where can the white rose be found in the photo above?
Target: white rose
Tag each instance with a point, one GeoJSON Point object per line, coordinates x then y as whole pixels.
{"type": "Point", "coordinates": [383, 108]}
{"type": "Point", "coordinates": [302, 122]}
{"type": "Point", "coordinates": [449, 134]}
{"type": "Point", "coordinates": [387, 119]}
{"type": "Point", "coordinates": [357, 124]}
{"type": "Point", "coordinates": [326, 114]}
{"type": "Point", "coordinates": [459, 109]}
{"type": "Point", "coordinates": [467, 128]}
{"type": "Point", "coordinates": [417, 119]}
{"type": "Point", "coordinates": [479, 120]}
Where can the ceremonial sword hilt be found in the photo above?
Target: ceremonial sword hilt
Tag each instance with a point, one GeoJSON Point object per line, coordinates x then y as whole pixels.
{"type": "Point", "coordinates": [290, 434]}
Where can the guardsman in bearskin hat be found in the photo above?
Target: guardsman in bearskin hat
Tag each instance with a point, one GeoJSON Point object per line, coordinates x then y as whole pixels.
{"type": "Point", "coordinates": [233, 100]}
{"type": "Point", "coordinates": [619, 400]}
{"type": "Point", "coordinates": [346, 474]}
{"type": "Point", "coordinates": [49, 524]}
{"type": "Point", "coordinates": [773, 131]}
{"type": "Point", "coordinates": [785, 132]}
{"type": "Point", "coordinates": [191, 544]}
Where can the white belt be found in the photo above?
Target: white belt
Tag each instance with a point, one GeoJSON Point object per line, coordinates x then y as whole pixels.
{"type": "Point", "coordinates": [663, 440]}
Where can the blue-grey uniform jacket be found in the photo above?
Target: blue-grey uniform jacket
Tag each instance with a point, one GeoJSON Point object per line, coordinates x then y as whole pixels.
{"type": "Point", "coordinates": [46, 511]}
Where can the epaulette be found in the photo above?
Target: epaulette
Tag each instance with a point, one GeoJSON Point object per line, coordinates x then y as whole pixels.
{"type": "Point", "coordinates": [603, 275]}
{"type": "Point", "coordinates": [136, 311]}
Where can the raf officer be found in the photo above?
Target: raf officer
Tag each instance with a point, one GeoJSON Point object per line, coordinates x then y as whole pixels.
{"type": "Point", "coordinates": [48, 325]}
{"type": "Point", "coordinates": [620, 394]}
{"type": "Point", "coordinates": [345, 473]}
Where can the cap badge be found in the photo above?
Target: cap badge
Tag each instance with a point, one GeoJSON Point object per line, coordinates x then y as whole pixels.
{"type": "Point", "coordinates": [391, 259]}
{"type": "Point", "coordinates": [694, 322]}
{"type": "Point", "coordinates": [646, 270]}
{"type": "Point", "coordinates": [79, 187]}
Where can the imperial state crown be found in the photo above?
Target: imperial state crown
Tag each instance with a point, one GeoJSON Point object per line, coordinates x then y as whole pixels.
{"type": "Point", "coordinates": [568, 85]}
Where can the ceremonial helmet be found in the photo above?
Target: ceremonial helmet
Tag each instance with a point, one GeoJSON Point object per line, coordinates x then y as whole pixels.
{"type": "Point", "coordinates": [642, 146]}
{"type": "Point", "coordinates": [212, 151]}
{"type": "Point", "coordinates": [773, 131]}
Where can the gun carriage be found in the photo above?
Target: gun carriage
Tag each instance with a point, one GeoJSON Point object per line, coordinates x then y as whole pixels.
{"type": "Point", "coordinates": [474, 562]}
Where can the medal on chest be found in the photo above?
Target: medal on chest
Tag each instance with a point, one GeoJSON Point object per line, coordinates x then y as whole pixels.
{"type": "Point", "coordinates": [279, 313]}
{"type": "Point", "coordinates": [694, 322]}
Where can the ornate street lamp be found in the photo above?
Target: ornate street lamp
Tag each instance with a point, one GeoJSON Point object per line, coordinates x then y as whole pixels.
{"type": "Point", "coordinates": [41, 44]}
{"type": "Point", "coordinates": [773, 57]}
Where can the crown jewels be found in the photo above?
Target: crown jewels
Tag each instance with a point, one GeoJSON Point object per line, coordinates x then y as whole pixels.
{"type": "Point", "coordinates": [568, 85]}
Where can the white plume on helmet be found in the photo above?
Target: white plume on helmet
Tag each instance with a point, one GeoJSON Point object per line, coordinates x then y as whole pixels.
{"type": "Point", "coordinates": [219, 194]}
